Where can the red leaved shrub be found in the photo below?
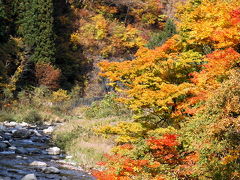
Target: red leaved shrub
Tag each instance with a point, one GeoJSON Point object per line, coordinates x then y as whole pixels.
{"type": "Point", "coordinates": [47, 75]}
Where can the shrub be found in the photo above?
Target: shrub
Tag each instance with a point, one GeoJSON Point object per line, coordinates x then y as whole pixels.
{"type": "Point", "coordinates": [214, 132]}
{"type": "Point", "coordinates": [32, 117]}
{"type": "Point", "coordinates": [106, 107]}
{"type": "Point", "coordinates": [47, 75]}
{"type": "Point", "coordinates": [63, 139]}
{"type": "Point", "coordinates": [6, 116]}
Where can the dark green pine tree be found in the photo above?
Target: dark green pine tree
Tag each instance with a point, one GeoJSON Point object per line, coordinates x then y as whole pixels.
{"type": "Point", "coordinates": [35, 25]}
{"type": "Point", "coordinates": [3, 22]}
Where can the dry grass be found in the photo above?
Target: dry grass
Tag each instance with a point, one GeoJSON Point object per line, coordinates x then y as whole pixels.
{"type": "Point", "coordinates": [78, 139]}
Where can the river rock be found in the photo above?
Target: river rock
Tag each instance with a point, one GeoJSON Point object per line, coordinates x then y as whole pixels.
{"type": "Point", "coordinates": [21, 133]}
{"type": "Point", "coordinates": [53, 151]}
{"type": "Point", "coordinates": [12, 148]}
{"type": "Point", "coordinates": [7, 136]}
{"type": "Point", "coordinates": [21, 150]}
{"type": "Point", "coordinates": [51, 170]}
{"type": "Point", "coordinates": [36, 133]}
{"type": "Point", "coordinates": [12, 123]}
{"type": "Point", "coordinates": [24, 124]}
{"type": "Point", "coordinates": [38, 139]}
{"type": "Point", "coordinates": [29, 177]}
{"type": "Point", "coordinates": [3, 146]}
{"type": "Point", "coordinates": [34, 151]}
{"type": "Point", "coordinates": [7, 143]}
{"type": "Point", "coordinates": [38, 163]}
{"type": "Point", "coordinates": [49, 130]}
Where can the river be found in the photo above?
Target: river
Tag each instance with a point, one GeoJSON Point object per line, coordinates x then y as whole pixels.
{"type": "Point", "coordinates": [26, 153]}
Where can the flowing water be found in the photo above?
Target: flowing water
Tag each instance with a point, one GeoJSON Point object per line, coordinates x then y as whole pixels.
{"type": "Point", "coordinates": [20, 146]}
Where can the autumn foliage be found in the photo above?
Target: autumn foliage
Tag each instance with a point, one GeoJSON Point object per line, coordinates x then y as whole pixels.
{"type": "Point", "coordinates": [47, 75]}
{"type": "Point", "coordinates": [190, 83]}
{"type": "Point", "coordinates": [161, 156]}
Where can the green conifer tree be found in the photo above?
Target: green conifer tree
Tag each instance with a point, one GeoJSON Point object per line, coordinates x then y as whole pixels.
{"type": "Point", "coordinates": [3, 22]}
{"type": "Point", "coordinates": [35, 25]}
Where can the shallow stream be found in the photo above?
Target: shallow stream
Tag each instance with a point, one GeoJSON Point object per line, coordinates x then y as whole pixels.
{"type": "Point", "coordinates": [24, 150]}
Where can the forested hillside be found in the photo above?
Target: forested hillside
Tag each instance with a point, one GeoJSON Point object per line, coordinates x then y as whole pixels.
{"type": "Point", "coordinates": [167, 70]}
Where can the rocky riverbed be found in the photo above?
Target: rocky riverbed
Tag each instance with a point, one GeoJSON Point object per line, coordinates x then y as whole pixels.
{"type": "Point", "coordinates": [27, 154]}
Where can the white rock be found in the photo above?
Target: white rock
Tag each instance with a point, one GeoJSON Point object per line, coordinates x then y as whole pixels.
{"type": "Point", "coordinates": [24, 124]}
{"type": "Point", "coordinates": [38, 163]}
{"type": "Point", "coordinates": [29, 177]}
{"type": "Point", "coordinates": [54, 151]}
{"type": "Point", "coordinates": [49, 130]}
{"type": "Point", "coordinates": [68, 157]}
{"type": "Point", "coordinates": [12, 148]}
{"type": "Point", "coordinates": [12, 123]}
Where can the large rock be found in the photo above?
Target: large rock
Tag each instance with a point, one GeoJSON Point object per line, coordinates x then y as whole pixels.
{"type": "Point", "coordinates": [54, 151]}
{"type": "Point", "coordinates": [51, 170]}
{"type": "Point", "coordinates": [29, 177]}
{"type": "Point", "coordinates": [21, 133]}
